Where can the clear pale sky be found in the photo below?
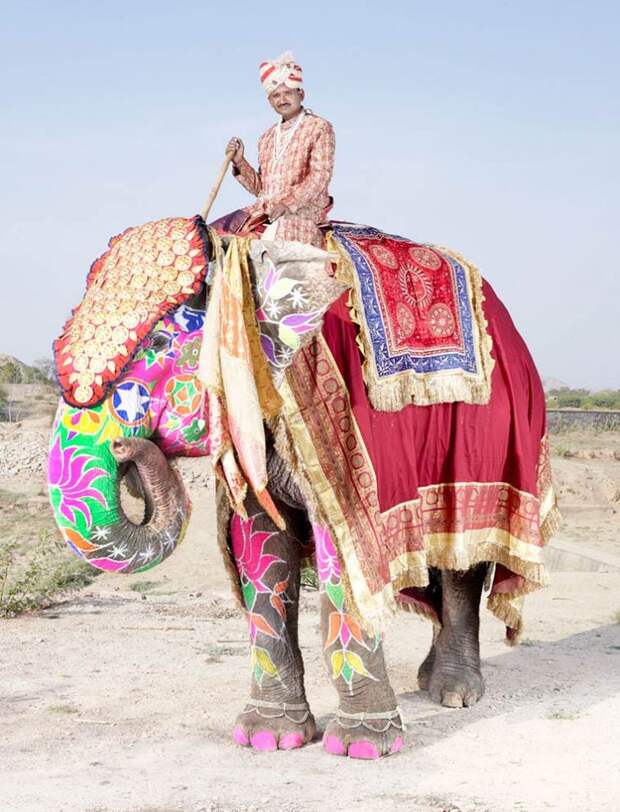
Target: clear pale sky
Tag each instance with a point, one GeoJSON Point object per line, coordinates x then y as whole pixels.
{"type": "Point", "coordinates": [490, 127]}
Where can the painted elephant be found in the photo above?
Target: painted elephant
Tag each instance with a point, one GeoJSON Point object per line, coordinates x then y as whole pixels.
{"type": "Point", "coordinates": [459, 529]}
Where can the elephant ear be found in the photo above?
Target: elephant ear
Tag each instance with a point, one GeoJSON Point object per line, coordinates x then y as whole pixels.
{"type": "Point", "coordinates": [293, 290]}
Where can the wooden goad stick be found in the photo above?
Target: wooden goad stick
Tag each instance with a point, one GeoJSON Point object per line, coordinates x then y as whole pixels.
{"type": "Point", "coordinates": [216, 188]}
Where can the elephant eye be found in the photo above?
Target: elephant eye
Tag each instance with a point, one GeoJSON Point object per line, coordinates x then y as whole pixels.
{"type": "Point", "coordinates": [159, 342]}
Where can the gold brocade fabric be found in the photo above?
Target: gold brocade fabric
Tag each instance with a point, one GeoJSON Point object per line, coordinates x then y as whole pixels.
{"type": "Point", "coordinates": [147, 271]}
{"type": "Point", "coordinates": [240, 391]}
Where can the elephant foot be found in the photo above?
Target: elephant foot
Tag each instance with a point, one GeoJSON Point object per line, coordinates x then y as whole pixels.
{"type": "Point", "coordinates": [274, 726]}
{"type": "Point", "coordinates": [367, 736]}
{"type": "Point", "coordinates": [455, 680]}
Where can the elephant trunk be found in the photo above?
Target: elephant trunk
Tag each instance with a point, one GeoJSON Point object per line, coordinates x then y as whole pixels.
{"type": "Point", "coordinates": [166, 504]}
{"type": "Point", "coordinates": [85, 494]}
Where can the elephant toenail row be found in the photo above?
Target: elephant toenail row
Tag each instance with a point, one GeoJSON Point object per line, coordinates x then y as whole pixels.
{"type": "Point", "coordinates": [266, 741]}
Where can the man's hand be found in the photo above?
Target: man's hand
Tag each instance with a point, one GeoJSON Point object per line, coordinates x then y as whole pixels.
{"type": "Point", "coordinates": [235, 149]}
{"type": "Point", "coordinates": [277, 210]}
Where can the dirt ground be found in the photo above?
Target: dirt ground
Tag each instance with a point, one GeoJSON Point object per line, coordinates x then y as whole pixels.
{"type": "Point", "coordinates": [121, 697]}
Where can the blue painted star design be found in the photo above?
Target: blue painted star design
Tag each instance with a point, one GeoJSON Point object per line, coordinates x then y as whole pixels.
{"type": "Point", "coordinates": [130, 402]}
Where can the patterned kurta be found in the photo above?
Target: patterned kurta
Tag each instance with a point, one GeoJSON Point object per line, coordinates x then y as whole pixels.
{"type": "Point", "coordinates": [299, 179]}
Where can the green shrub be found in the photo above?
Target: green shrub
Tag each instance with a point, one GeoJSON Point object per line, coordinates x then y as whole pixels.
{"type": "Point", "coordinates": [583, 399]}
{"type": "Point", "coordinates": [31, 584]}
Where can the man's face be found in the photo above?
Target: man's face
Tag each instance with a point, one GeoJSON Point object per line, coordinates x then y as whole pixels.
{"type": "Point", "coordinates": [286, 101]}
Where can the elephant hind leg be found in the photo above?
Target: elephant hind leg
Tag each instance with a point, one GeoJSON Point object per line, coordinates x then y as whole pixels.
{"type": "Point", "coordinates": [454, 660]}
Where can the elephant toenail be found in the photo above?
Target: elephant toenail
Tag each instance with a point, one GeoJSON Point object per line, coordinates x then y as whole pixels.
{"type": "Point", "coordinates": [397, 746]}
{"type": "Point", "coordinates": [451, 699]}
{"type": "Point", "coordinates": [333, 745]}
{"type": "Point", "coordinates": [291, 741]}
{"type": "Point", "coordinates": [240, 737]}
{"type": "Point", "coordinates": [264, 740]}
{"type": "Point", "coordinates": [363, 750]}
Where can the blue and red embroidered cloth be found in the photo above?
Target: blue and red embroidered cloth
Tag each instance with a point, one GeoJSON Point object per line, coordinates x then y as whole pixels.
{"type": "Point", "coordinates": [422, 328]}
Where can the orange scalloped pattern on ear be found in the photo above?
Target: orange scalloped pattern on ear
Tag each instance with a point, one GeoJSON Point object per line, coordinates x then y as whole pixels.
{"type": "Point", "coordinates": [146, 272]}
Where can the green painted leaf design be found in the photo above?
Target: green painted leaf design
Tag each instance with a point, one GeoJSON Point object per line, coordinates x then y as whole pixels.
{"type": "Point", "coordinates": [335, 593]}
{"type": "Point", "coordinates": [282, 288]}
{"type": "Point", "coordinates": [249, 594]}
{"type": "Point", "coordinates": [288, 336]}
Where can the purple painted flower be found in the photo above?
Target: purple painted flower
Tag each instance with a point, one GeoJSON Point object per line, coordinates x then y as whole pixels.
{"type": "Point", "coordinates": [268, 348]}
{"type": "Point", "coordinates": [271, 278]}
{"type": "Point", "coordinates": [302, 322]}
{"type": "Point", "coordinates": [326, 555]}
{"type": "Point", "coordinates": [66, 472]}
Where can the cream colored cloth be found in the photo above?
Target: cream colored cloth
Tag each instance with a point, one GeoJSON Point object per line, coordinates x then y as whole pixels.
{"type": "Point", "coordinates": [239, 388]}
{"type": "Point", "coordinates": [281, 71]}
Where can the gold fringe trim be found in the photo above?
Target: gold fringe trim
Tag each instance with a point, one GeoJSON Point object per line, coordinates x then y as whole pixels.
{"type": "Point", "coordinates": [421, 610]}
{"type": "Point", "coordinates": [551, 524]}
{"type": "Point", "coordinates": [424, 389]}
{"type": "Point", "coordinates": [509, 610]}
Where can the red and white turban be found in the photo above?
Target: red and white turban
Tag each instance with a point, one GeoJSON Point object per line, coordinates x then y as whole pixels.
{"type": "Point", "coordinates": [280, 71]}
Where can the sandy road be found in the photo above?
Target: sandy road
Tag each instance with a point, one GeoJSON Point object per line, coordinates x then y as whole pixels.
{"type": "Point", "coordinates": [112, 701]}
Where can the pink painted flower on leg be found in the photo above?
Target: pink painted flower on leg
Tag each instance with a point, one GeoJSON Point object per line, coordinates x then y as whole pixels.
{"type": "Point", "coordinates": [247, 546]}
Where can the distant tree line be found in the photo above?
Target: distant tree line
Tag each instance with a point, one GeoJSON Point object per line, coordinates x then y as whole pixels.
{"type": "Point", "coordinates": [566, 398]}
{"type": "Point", "coordinates": [41, 371]}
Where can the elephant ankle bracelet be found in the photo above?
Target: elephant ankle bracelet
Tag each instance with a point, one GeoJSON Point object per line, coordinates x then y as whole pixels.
{"type": "Point", "coordinates": [392, 719]}
{"type": "Point", "coordinates": [282, 707]}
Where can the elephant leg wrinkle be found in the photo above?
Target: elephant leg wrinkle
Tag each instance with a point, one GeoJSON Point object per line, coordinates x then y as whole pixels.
{"type": "Point", "coordinates": [268, 561]}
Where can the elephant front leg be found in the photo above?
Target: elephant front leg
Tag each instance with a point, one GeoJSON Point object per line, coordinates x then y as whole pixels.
{"type": "Point", "coordinates": [451, 671]}
{"type": "Point", "coordinates": [368, 723]}
{"type": "Point", "coordinates": [277, 715]}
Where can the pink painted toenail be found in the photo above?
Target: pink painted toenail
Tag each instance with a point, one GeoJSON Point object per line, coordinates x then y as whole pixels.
{"type": "Point", "coordinates": [239, 736]}
{"type": "Point", "coordinates": [363, 750]}
{"type": "Point", "coordinates": [333, 745]}
{"type": "Point", "coordinates": [264, 740]}
{"type": "Point", "coordinates": [397, 746]}
{"type": "Point", "coordinates": [291, 741]}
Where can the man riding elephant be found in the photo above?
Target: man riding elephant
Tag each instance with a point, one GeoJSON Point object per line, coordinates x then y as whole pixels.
{"type": "Point", "coordinates": [296, 161]}
{"type": "Point", "coordinates": [395, 434]}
